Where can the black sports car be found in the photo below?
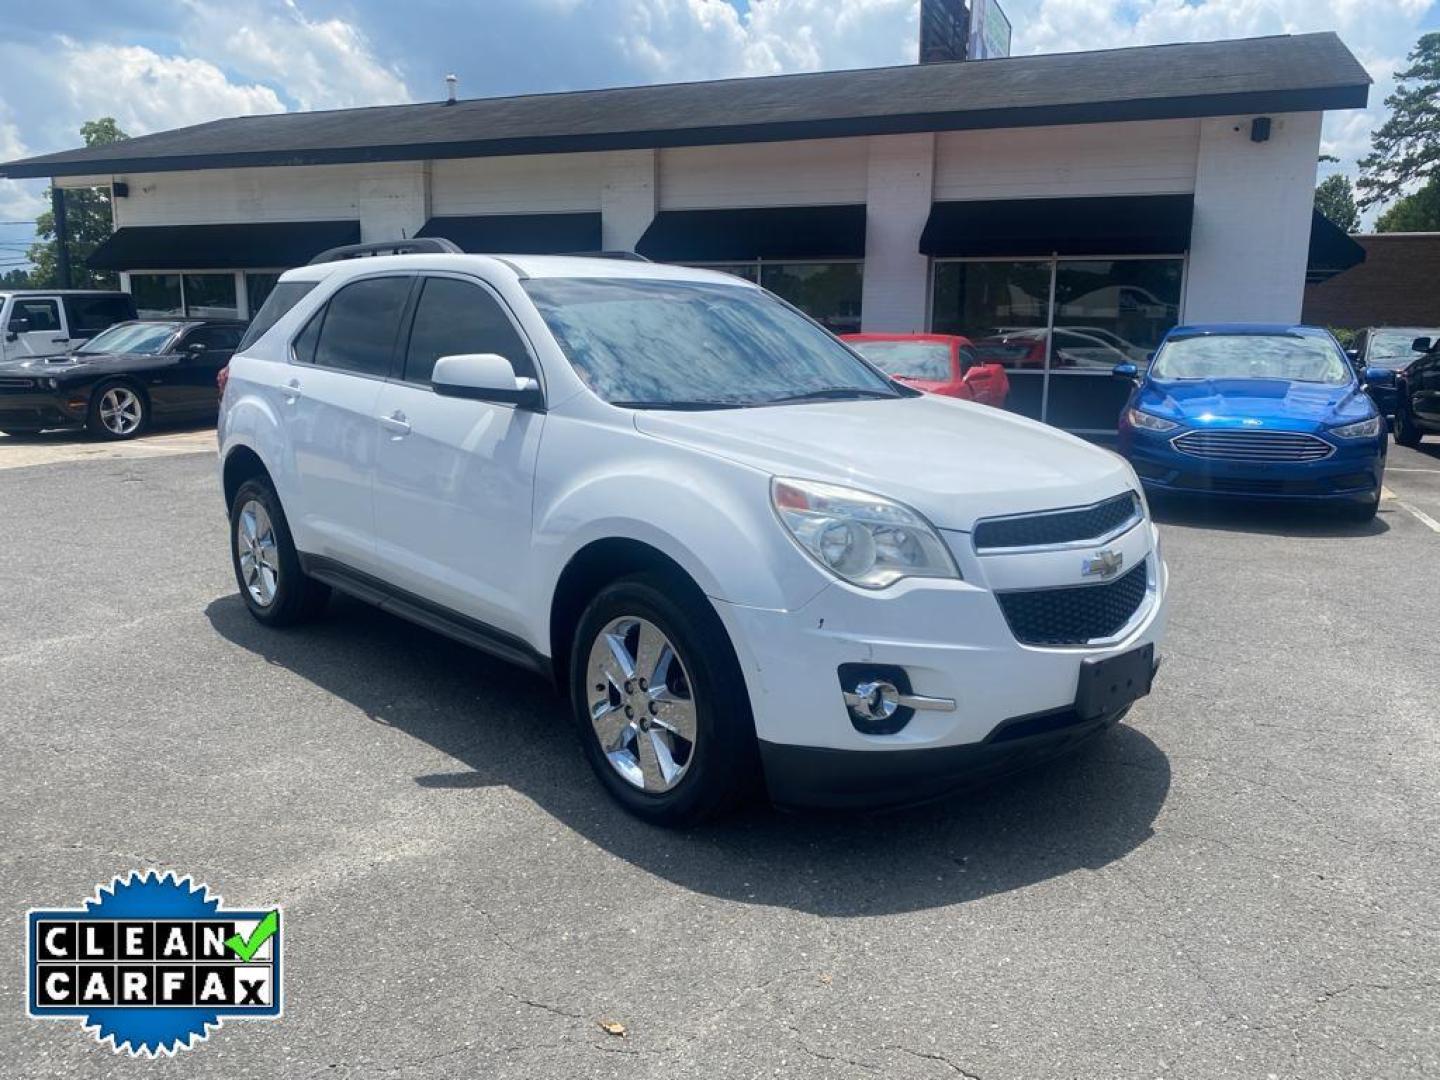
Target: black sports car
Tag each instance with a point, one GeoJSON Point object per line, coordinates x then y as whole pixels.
{"type": "Point", "coordinates": [122, 379]}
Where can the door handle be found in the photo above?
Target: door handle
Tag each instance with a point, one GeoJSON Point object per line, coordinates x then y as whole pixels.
{"type": "Point", "coordinates": [59, 340]}
{"type": "Point", "coordinates": [292, 391]}
{"type": "Point", "coordinates": [396, 424]}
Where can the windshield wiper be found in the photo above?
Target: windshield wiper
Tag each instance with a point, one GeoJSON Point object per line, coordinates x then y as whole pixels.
{"type": "Point", "coordinates": [832, 393]}
{"type": "Point", "coordinates": [681, 405]}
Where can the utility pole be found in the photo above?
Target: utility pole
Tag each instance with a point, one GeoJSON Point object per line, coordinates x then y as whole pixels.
{"type": "Point", "coordinates": [62, 235]}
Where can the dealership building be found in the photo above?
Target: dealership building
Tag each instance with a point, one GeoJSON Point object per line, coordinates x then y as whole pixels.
{"type": "Point", "coordinates": [1062, 210]}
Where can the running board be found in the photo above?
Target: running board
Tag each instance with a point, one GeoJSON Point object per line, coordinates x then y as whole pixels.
{"type": "Point", "coordinates": [426, 613]}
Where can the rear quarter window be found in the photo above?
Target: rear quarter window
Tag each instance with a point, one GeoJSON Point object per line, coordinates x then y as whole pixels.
{"type": "Point", "coordinates": [282, 298]}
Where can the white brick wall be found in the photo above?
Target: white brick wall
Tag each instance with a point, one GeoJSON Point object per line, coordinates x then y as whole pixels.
{"type": "Point", "coordinates": [1253, 206]}
{"type": "Point", "coordinates": [900, 179]}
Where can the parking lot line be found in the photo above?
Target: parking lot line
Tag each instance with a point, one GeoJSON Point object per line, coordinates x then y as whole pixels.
{"type": "Point", "coordinates": [1420, 515]}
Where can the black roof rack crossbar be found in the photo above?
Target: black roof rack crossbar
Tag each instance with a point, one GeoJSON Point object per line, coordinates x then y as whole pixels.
{"type": "Point", "coordinates": [425, 245]}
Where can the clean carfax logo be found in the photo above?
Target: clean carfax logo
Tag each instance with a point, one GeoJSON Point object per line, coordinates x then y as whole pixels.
{"type": "Point", "coordinates": [151, 964]}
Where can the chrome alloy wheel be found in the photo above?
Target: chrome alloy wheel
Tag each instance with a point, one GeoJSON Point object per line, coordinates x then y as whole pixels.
{"type": "Point", "coordinates": [642, 705]}
{"type": "Point", "coordinates": [259, 557]}
{"type": "Point", "coordinates": [120, 410]}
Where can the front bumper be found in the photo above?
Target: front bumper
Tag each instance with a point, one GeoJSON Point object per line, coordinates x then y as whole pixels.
{"type": "Point", "coordinates": [1352, 474]}
{"type": "Point", "coordinates": [825, 778]}
{"type": "Point", "coordinates": [41, 408]}
{"type": "Point", "coordinates": [953, 642]}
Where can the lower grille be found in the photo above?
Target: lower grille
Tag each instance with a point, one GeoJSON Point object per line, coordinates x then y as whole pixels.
{"type": "Point", "coordinates": [1075, 614]}
{"type": "Point", "coordinates": [1238, 445]}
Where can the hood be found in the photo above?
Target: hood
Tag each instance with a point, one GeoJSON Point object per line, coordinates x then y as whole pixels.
{"type": "Point", "coordinates": [954, 461]}
{"type": "Point", "coordinates": [1276, 403]}
{"type": "Point", "coordinates": [39, 366]}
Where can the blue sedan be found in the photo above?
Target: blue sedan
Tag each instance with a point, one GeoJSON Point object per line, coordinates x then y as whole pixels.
{"type": "Point", "coordinates": [1257, 412]}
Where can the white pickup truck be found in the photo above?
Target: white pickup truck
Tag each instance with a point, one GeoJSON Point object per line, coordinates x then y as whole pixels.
{"type": "Point", "coordinates": [52, 322]}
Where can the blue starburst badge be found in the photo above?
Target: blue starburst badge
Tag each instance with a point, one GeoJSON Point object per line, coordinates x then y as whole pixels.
{"type": "Point", "coordinates": [152, 964]}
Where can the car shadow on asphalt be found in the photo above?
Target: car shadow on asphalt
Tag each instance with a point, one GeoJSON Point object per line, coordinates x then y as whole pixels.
{"type": "Point", "coordinates": [504, 726]}
{"type": "Point", "coordinates": [1254, 517]}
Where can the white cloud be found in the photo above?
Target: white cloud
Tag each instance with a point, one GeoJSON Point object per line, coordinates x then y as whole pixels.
{"type": "Point", "coordinates": [317, 63]}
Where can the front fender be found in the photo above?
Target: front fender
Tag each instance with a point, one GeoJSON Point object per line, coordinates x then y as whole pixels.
{"type": "Point", "coordinates": [710, 516]}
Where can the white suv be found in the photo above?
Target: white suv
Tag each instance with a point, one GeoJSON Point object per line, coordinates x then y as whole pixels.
{"type": "Point", "coordinates": [744, 553]}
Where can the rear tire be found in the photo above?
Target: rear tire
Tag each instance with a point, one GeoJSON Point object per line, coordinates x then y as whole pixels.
{"type": "Point", "coordinates": [276, 591]}
{"type": "Point", "coordinates": [118, 410]}
{"type": "Point", "coordinates": [1406, 433]}
{"type": "Point", "coordinates": [680, 741]}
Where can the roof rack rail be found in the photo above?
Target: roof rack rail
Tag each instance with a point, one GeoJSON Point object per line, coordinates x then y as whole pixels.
{"type": "Point", "coordinates": [423, 245]}
{"type": "Point", "coordinates": [625, 256]}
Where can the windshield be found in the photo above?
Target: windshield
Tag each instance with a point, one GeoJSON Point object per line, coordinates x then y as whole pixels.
{"type": "Point", "coordinates": [910, 359]}
{"type": "Point", "coordinates": [681, 344]}
{"type": "Point", "coordinates": [130, 338]}
{"type": "Point", "coordinates": [1392, 348]}
{"type": "Point", "coordinates": [1253, 356]}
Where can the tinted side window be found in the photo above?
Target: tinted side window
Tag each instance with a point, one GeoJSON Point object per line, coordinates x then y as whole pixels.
{"type": "Point", "coordinates": [968, 358]}
{"type": "Point", "coordinates": [456, 317]}
{"type": "Point", "coordinates": [214, 338]}
{"type": "Point", "coordinates": [43, 314]}
{"type": "Point", "coordinates": [280, 300]}
{"type": "Point", "coordinates": [305, 341]}
{"type": "Point", "coordinates": [361, 323]}
{"type": "Point", "coordinates": [90, 314]}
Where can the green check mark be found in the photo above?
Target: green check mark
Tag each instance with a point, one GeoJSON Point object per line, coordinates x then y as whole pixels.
{"type": "Point", "coordinates": [244, 948]}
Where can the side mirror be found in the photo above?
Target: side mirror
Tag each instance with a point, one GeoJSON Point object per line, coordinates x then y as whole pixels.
{"type": "Point", "coordinates": [1420, 344]}
{"type": "Point", "coordinates": [1378, 376]}
{"type": "Point", "coordinates": [485, 377]}
{"type": "Point", "coordinates": [1125, 370]}
{"type": "Point", "coordinates": [196, 347]}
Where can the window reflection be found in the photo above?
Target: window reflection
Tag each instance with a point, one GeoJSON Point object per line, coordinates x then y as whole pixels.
{"type": "Point", "coordinates": [829, 292]}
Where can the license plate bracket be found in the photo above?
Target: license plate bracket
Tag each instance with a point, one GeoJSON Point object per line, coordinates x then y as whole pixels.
{"type": "Point", "coordinates": [1107, 686]}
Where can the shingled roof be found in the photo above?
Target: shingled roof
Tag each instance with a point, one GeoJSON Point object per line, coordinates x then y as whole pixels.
{"type": "Point", "coordinates": [1299, 73]}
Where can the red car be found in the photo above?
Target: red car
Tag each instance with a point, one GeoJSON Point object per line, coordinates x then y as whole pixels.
{"type": "Point", "coordinates": [936, 363]}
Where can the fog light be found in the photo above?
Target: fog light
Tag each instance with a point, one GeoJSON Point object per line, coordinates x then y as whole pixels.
{"type": "Point", "coordinates": [879, 698]}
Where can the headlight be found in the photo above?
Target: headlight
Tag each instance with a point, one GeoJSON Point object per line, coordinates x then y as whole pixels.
{"type": "Point", "coordinates": [1147, 422]}
{"type": "Point", "coordinates": [867, 540]}
{"type": "Point", "coordinates": [1364, 429]}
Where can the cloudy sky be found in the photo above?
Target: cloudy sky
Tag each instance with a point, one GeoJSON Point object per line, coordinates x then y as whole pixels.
{"type": "Point", "coordinates": [156, 64]}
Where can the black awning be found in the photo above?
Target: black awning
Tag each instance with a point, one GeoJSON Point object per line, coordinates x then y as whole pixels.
{"type": "Point", "coordinates": [519, 234]}
{"type": "Point", "coordinates": [778, 232]}
{"type": "Point", "coordinates": [268, 245]}
{"type": "Point", "coordinates": [1332, 250]}
{"type": "Point", "coordinates": [1109, 225]}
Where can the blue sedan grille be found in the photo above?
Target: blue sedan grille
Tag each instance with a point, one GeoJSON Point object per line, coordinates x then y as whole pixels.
{"type": "Point", "coordinates": [1239, 445]}
{"type": "Point", "coordinates": [1075, 614]}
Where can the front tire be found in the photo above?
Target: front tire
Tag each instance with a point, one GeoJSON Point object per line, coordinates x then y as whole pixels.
{"type": "Point", "coordinates": [276, 591]}
{"type": "Point", "coordinates": [118, 410]}
{"type": "Point", "coordinates": [660, 701]}
{"type": "Point", "coordinates": [1406, 433]}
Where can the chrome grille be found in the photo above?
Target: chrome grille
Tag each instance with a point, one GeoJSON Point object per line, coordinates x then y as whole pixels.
{"type": "Point", "coordinates": [1076, 525]}
{"type": "Point", "coordinates": [1238, 445]}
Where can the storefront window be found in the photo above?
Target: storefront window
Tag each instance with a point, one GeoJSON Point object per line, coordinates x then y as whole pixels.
{"type": "Point", "coordinates": [156, 295]}
{"type": "Point", "coordinates": [1004, 308]}
{"type": "Point", "coordinates": [829, 292]}
{"type": "Point", "coordinates": [1104, 311]}
{"type": "Point", "coordinates": [211, 296]}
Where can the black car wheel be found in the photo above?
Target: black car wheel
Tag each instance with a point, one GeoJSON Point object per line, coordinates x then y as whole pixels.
{"type": "Point", "coordinates": [660, 701]}
{"type": "Point", "coordinates": [1406, 433]}
{"type": "Point", "coordinates": [118, 410]}
{"type": "Point", "coordinates": [267, 567]}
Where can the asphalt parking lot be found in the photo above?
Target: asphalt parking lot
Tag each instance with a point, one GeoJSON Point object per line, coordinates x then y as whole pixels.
{"type": "Point", "coordinates": [1242, 880]}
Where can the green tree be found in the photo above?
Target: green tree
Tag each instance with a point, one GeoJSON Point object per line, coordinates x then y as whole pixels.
{"type": "Point", "coordinates": [15, 279]}
{"type": "Point", "coordinates": [1406, 149]}
{"type": "Point", "coordinates": [1335, 198]}
{"type": "Point", "coordinates": [1419, 212]}
{"type": "Point", "coordinates": [89, 221]}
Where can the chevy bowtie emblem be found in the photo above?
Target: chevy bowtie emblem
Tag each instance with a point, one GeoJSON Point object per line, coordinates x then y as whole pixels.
{"type": "Point", "coordinates": [1102, 564]}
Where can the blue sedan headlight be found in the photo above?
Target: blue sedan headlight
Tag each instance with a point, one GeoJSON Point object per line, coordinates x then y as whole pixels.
{"type": "Point", "coordinates": [1148, 421]}
{"type": "Point", "coordinates": [1363, 429]}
